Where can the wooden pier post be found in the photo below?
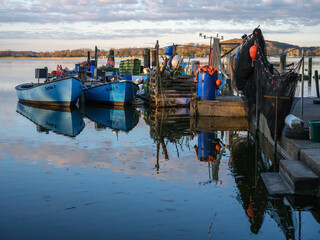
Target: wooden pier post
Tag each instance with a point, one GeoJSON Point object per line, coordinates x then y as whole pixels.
{"type": "Point", "coordinates": [153, 58]}
{"type": "Point", "coordinates": [96, 56]}
{"type": "Point", "coordinates": [309, 71]}
{"type": "Point", "coordinates": [146, 57]}
{"type": "Point", "coordinates": [283, 62]}
{"type": "Point", "coordinates": [157, 78]}
{"type": "Point", "coordinates": [174, 49]}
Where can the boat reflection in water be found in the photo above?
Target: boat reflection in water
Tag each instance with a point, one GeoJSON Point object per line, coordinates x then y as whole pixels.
{"type": "Point", "coordinates": [62, 120]}
{"type": "Point", "coordinates": [116, 118]}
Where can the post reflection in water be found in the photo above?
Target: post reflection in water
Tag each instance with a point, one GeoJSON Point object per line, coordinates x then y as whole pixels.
{"type": "Point", "coordinates": [115, 118]}
{"type": "Point", "coordinates": [209, 150]}
{"type": "Point", "coordinates": [247, 161]}
{"type": "Point", "coordinates": [67, 121]}
{"type": "Point", "coordinates": [169, 125]}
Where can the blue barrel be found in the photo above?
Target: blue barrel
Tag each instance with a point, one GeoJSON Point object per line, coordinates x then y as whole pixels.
{"type": "Point", "coordinates": [92, 67]}
{"type": "Point", "coordinates": [206, 145]}
{"type": "Point", "coordinates": [76, 68]}
{"type": "Point", "coordinates": [207, 86]}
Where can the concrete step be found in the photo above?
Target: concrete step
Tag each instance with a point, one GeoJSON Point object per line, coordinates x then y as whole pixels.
{"type": "Point", "coordinates": [300, 179]}
{"type": "Point", "coordinates": [275, 183]}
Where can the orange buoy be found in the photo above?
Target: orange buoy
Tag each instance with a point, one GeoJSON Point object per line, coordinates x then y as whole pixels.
{"type": "Point", "coordinates": [218, 147]}
{"type": "Point", "coordinates": [250, 211]}
{"type": "Point", "coordinates": [218, 82]}
{"type": "Point", "coordinates": [253, 52]}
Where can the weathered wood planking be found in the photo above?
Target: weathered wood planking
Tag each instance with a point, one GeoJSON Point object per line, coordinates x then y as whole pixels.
{"type": "Point", "coordinates": [224, 106]}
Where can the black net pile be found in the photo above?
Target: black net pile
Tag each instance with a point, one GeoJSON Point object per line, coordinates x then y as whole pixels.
{"type": "Point", "coordinates": [247, 76]}
{"type": "Point", "coordinates": [242, 71]}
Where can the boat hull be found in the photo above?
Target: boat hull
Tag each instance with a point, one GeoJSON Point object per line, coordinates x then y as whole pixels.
{"type": "Point", "coordinates": [62, 92]}
{"type": "Point", "coordinates": [116, 93]}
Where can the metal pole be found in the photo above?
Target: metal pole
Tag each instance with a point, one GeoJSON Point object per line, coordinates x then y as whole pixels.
{"type": "Point", "coordinates": [316, 79]}
{"type": "Point", "coordinates": [257, 99]}
{"type": "Point", "coordinates": [276, 131]}
{"type": "Point", "coordinates": [302, 85]}
{"type": "Point", "coordinates": [309, 70]}
{"type": "Point", "coordinates": [95, 62]}
{"type": "Point", "coordinates": [96, 56]}
{"type": "Point", "coordinates": [210, 53]}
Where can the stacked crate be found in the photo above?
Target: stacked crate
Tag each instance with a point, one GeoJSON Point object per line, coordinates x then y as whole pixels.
{"type": "Point", "coordinates": [130, 67]}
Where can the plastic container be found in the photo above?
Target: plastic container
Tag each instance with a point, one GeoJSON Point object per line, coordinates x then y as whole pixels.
{"type": "Point", "coordinates": [206, 86]}
{"type": "Point", "coordinates": [169, 50]}
{"type": "Point", "coordinates": [314, 131]}
{"type": "Point", "coordinates": [293, 122]}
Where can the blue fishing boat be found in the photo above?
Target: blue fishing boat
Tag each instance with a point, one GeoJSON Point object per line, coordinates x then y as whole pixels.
{"type": "Point", "coordinates": [61, 92]}
{"type": "Point", "coordinates": [67, 121]}
{"type": "Point", "coordinates": [115, 118]}
{"type": "Point", "coordinates": [112, 93]}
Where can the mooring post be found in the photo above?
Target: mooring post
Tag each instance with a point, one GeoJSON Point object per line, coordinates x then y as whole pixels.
{"type": "Point", "coordinates": [146, 57]}
{"type": "Point", "coordinates": [153, 56]}
{"type": "Point", "coordinates": [157, 72]}
{"type": "Point", "coordinates": [95, 62]}
{"type": "Point", "coordinates": [309, 71]}
{"type": "Point", "coordinates": [174, 49]}
{"type": "Point", "coordinates": [316, 79]}
{"type": "Point", "coordinates": [302, 85]}
{"type": "Point", "coordinates": [96, 56]}
{"type": "Point", "coordinates": [283, 62]}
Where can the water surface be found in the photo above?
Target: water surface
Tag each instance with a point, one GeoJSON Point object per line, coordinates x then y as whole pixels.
{"type": "Point", "coordinates": [101, 173]}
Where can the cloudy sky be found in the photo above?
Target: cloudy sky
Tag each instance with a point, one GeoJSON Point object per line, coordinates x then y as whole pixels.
{"type": "Point", "coordinates": [47, 25]}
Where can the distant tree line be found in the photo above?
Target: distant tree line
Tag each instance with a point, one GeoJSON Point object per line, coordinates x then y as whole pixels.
{"type": "Point", "coordinates": [187, 50]}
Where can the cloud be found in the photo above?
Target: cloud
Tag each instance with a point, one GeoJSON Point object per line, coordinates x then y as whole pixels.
{"type": "Point", "coordinates": [132, 33]}
{"type": "Point", "coordinates": [138, 161]}
{"type": "Point", "coordinates": [299, 11]}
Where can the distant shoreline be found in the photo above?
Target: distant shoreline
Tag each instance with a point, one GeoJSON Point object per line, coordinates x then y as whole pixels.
{"type": "Point", "coordinates": [43, 58]}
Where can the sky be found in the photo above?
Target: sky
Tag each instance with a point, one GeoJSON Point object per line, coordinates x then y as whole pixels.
{"type": "Point", "coordinates": [48, 25]}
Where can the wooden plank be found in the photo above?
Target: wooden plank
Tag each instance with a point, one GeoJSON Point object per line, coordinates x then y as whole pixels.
{"type": "Point", "coordinates": [219, 123]}
{"type": "Point", "coordinates": [219, 109]}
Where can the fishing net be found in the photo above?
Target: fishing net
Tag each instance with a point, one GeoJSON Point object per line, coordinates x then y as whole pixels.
{"type": "Point", "coordinates": [275, 90]}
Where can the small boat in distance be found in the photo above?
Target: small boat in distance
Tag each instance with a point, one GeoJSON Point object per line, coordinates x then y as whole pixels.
{"type": "Point", "coordinates": [59, 92]}
{"type": "Point", "coordinates": [118, 93]}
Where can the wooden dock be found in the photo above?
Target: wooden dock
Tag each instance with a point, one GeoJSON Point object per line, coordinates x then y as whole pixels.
{"type": "Point", "coordinates": [223, 106]}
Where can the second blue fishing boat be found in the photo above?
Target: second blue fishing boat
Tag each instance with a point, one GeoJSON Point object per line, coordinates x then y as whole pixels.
{"type": "Point", "coordinates": [113, 93]}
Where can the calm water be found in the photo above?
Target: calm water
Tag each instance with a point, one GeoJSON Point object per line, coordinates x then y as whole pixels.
{"type": "Point", "coordinates": [99, 173]}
